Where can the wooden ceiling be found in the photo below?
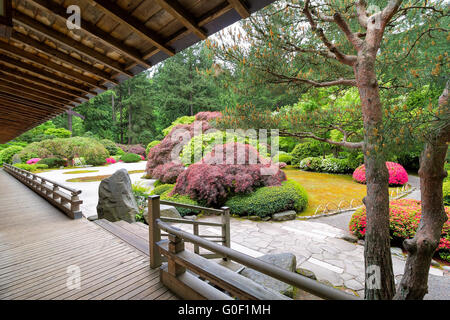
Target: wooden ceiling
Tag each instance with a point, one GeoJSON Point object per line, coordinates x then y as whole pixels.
{"type": "Point", "coordinates": [47, 69]}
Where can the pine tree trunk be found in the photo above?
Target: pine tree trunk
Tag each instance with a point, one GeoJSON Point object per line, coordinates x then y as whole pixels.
{"type": "Point", "coordinates": [414, 283]}
{"type": "Point", "coordinates": [378, 262]}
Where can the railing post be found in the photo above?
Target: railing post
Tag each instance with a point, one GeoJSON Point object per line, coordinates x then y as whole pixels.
{"type": "Point", "coordinates": [74, 203]}
{"type": "Point", "coordinates": [176, 245]}
{"type": "Point", "coordinates": [226, 228]}
{"type": "Point", "coordinates": [196, 247]}
{"type": "Point", "coordinates": [154, 231]}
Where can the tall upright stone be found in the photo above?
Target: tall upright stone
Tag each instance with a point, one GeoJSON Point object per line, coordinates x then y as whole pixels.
{"type": "Point", "coordinates": [115, 198]}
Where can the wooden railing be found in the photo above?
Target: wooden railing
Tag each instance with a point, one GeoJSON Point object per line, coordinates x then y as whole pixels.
{"type": "Point", "coordinates": [224, 226]}
{"type": "Point", "coordinates": [64, 198]}
{"type": "Point", "coordinates": [222, 282]}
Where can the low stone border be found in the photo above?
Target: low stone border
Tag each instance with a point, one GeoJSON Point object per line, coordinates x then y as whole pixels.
{"type": "Point", "coordinates": [333, 213]}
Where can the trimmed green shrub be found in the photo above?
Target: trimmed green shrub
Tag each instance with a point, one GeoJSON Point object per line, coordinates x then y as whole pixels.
{"type": "Point", "coordinates": [110, 146]}
{"type": "Point", "coordinates": [130, 157]}
{"type": "Point", "coordinates": [283, 157]}
{"type": "Point", "coordinates": [446, 191]}
{"type": "Point", "coordinates": [181, 199]}
{"type": "Point", "coordinates": [162, 188]}
{"type": "Point", "coordinates": [311, 164]}
{"type": "Point", "coordinates": [7, 154]}
{"type": "Point", "coordinates": [53, 162]}
{"type": "Point", "coordinates": [180, 120]}
{"type": "Point", "coordinates": [31, 167]}
{"type": "Point", "coordinates": [58, 132]}
{"type": "Point", "coordinates": [151, 145]}
{"type": "Point", "coordinates": [309, 149]}
{"type": "Point", "coordinates": [334, 165]}
{"type": "Point", "coordinates": [266, 201]}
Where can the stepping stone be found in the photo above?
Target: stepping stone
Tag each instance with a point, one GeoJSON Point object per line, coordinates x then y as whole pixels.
{"type": "Point", "coordinates": [284, 216]}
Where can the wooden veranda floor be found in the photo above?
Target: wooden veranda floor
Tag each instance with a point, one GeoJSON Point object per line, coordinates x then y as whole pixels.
{"type": "Point", "coordinates": [39, 245]}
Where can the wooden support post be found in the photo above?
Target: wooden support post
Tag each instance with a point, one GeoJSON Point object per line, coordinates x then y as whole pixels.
{"type": "Point", "coordinates": [74, 203]}
{"type": "Point", "coordinates": [226, 228]}
{"type": "Point", "coordinates": [154, 232]}
{"type": "Point", "coordinates": [176, 245]}
{"type": "Point", "coordinates": [196, 247]}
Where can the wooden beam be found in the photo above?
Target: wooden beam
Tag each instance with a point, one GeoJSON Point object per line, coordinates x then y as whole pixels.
{"type": "Point", "coordinates": [48, 75]}
{"type": "Point", "coordinates": [21, 100]}
{"type": "Point", "coordinates": [240, 7]}
{"type": "Point", "coordinates": [208, 17]}
{"type": "Point", "coordinates": [94, 31]}
{"type": "Point", "coordinates": [61, 56]}
{"type": "Point", "coordinates": [50, 85]}
{"type": "Point", "coordinates": [67, 41]}
{"type": "Point", "coordinates": [181, 14]}
{"type": "Point", "coordinates": [126, 19]}
{"type": "Point", "coordinates": [45, 63]}
{"type": "Point", "coordinates": [17, 107]}
{"type": "Point", "coordinates": [9, 110]}
{"type": "Point", "coordinates": [22, 95]}
{"type": "Point", "coordinates": [31, 92]}
{"type": "Point", "coordinates": [27, 85]}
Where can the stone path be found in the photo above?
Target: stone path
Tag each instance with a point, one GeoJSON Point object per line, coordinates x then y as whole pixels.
{"type": "Point", "coordinates": [318, 247]}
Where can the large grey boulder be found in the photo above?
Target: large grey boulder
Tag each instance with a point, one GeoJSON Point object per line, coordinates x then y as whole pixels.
{"type": "Point", "coordinates": [285, 261]}
{"type": "Point", "coordinates": [165, 211]}
{"type": "Point", "coordinates": [115, 198]}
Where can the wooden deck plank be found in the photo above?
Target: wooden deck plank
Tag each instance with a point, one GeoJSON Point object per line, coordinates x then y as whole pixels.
{"type": "Point", "coordinates": [38, 243]}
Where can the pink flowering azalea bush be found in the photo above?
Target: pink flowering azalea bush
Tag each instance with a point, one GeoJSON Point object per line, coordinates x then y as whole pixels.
{"type": "Point", "coordinates": [404, 218]}
{"type": "Point", "coordinates": [110, 160]}
{"type": "Point", "coordinates": [397, 174]}
{"type": "Point", "coordinates": [208, 115]}
{"type": "Point", "coordinates": [228, 169]}
{"type": "Point", "coordinates": [33, 160]}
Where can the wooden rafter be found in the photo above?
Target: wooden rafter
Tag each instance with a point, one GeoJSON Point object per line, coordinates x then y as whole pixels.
{"type": "Point", "coordinates": [27, 102]}
{"type": "Point", "coordinates": [28, 92]}
{"type": "Point", "coordinates": [240, 7]}
{"type": "Point", "coordinates": [131, 22]}
{"type": "Point", "coordinates": [94, 31]}
{"type": "Point", "coordinates": [22, 95]}
{"type": "Point", "coordinates": [48, 75]}
{"type": "Point", "coordinates": [68, 42]}
{"type": "Point", "coordinates": [61, 56]}
{"type": "Point", "coordinates": [49, 85]}
{"type": "Point", "coordinates": [179, 13]}
{"type": "Point", "coordinates": [45, 63]}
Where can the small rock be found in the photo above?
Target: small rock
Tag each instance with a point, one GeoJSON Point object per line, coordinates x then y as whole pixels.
{"type": "Point", "coordinates": [349, 237]}
{"type": "Point", "coordinates": [283, 216]}
{"type": "Point", "coordinates": [307, 273]}
{"type": "Point", "coordinates": [266, 218]}
{"type": "Point", "coordinates": [193, 217]}
{"type": "Point", "coordinates": [285, 261]}
{"type": "Point", "coordinates": [434, 263]}
{"type": "Point", "coordinates": [165, 211]}
{"type": "Point", "coordinates": [361, 242]}
{"type": "Point", "coordinates": [92, 218]}
{"type": "Point", "coordinates": [254, 218]}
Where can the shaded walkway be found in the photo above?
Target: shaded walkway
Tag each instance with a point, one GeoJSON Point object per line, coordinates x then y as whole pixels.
{"type": "Point", "coordinates": [40, 248]}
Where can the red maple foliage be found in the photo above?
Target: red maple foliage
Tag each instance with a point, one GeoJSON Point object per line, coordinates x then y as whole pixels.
{"type": "Point", "coordinates": [211, 180]}
{"type": "Point", "coordinates": [168, 172]}
{"type": "Point", "coordinates": [208, 115]}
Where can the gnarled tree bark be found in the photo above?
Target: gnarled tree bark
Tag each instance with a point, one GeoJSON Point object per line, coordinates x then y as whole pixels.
{"type": "Point", "coordinates": [414, 283]}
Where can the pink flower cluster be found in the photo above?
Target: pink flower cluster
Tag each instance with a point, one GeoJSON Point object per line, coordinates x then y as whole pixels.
{"type": "Point", "coordinates": [397, 174]}
{"type": "Point", "coordinates": [110, 160]}
{"type": "Point", "coordinates": [404, 219]}
{"type": "Point", "coordinates": [33, 160]}
{"type": "Point", "coordinates": [142, 157]}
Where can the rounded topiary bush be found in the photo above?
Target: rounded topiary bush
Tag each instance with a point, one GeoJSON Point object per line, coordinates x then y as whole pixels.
{"type": "Point", "coordinates": [130, 157]}
{"type": "Point", "coordinates": [162, 188]}
{"type": "Point", "coordinates": [53, 162]}
{"type": "Point", "coordinates": [397, 174]}
{"type": "Point", "coordinates": [267, 201]}
{"type": "Point", "coordinates": [110, 146]}
{"type": "Point", "coordinates": [7, 154]}
{"type": "Point", "coordinates": [333, 165]}
{"type": "Point", "coordinates": [282, 157]}
{"type": "Point", "coordinates": [404, 218]}
{"type": "Point", "coordinates": [311, 164]}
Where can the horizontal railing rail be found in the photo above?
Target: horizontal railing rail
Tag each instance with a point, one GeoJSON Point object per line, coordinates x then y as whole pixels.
{"type": "Point", "coordinates": [223, 238]}
{"type": "Point", "coordinates": [64, 198]}
{"type": "Point", "coordinates": [176, 266]}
